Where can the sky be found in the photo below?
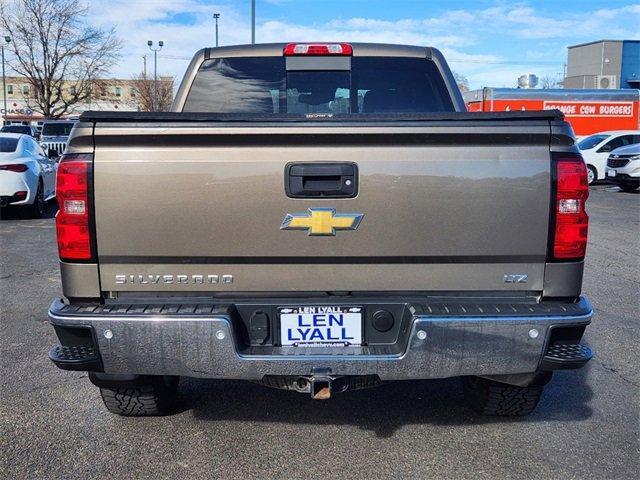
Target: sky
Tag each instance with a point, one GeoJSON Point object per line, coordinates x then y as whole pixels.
{"type": "Point", "coordinates": [491, 42]}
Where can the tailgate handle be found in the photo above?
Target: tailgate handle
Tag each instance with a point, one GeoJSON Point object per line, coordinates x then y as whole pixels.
{"type": "Point", "coordinates": [309, 180]}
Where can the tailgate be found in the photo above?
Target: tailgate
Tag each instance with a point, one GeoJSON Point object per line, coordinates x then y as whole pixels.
{"type": "Point", "coordinates": [446, 206]}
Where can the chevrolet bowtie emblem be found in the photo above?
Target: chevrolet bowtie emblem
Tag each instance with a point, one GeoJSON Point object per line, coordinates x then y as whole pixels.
{"type": "Point", "coordinates": [321, 221]}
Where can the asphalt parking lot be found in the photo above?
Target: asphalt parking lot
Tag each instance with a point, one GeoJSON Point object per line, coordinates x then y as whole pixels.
{"type": "Point", "coordinates": [53, 423]}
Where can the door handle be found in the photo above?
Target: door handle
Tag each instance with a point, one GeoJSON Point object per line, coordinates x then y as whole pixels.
{"type": "Point", "coordinates": [312, 180]}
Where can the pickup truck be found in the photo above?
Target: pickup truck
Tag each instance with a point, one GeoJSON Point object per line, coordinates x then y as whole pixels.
{"type": "Point", "coordinates": [321, 218]}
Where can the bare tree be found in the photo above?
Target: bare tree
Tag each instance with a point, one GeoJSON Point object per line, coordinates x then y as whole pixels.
{"type": "Point", "coordinates": [549, 81]}
{"type": "Point", "coordinates": [58, 53]}
{"type": "Point", "coordinates": [462, 81]}
{"type": "Point", "coordinates": [144, 93]}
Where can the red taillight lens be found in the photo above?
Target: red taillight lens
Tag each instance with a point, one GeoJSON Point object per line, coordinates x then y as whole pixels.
{"type": "Point", "coordinates": [294, 49]}
{"type": "Point", "coordinates": [73, 226]}
{"type": "Point", "coordinates": [15, 167]}
{"type": "Point", "coordinates": [571, 220]}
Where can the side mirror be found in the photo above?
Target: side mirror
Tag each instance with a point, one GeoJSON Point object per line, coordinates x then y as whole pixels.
{"type": "Point", "coordinates": [52, 154]}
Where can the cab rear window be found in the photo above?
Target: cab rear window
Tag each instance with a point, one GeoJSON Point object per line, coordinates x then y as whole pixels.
{"type": "Point", "coordinates": [382, 85]}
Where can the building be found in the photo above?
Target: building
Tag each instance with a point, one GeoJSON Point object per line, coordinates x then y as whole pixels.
{"type": "Point", "coordinates": [587, 110]}
{"type": "Point", "coordinates": [604, 64]}
{"type": "Point", "coordinates": [106, 94]}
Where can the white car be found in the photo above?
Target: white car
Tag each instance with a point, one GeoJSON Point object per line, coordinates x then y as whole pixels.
{"type": "Point", "coordinates": [596, 148]}
{"type": "Point", "coordinates": [623, 167]}
{"type": "Point", "coordinates": [27, 174]}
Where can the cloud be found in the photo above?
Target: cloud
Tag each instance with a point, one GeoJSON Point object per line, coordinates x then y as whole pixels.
{"type": "Point", "coordinates": [485, 44]}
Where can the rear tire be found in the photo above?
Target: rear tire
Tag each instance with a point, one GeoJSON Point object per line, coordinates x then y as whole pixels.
{"type": "Point", "coordinates": [37, 209]}
{"type": "Point", "coordinates": [488, 397]}
{"type": "Point", "coordinates": [152, 398]}
{"type": "Point", "coordinates": [592, 174]}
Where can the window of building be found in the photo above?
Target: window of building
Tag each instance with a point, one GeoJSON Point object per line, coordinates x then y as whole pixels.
{"type": "Point", "coordinates": [25, 89]}
{"type": "Point", "coordinates": [132, 93]}
{"type": "Point", "coordinates": [118, 91]}
{"type": "Point", "coordinates": [9, 89]}
{"type": "Point", "coordinates": [72, 90]}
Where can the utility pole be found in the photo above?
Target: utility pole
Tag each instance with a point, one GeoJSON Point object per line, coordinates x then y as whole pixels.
{"type": "Point", "coordinates": [154, 103]}
{"type": "Point", "coordinates": [253, 22]}
{"type": "Point", "coordinates": [7, 40]}
{"type": "Point", "coordinates": [216, 16]}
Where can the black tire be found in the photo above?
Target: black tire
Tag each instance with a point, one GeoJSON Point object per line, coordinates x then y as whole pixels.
{"type": "Point", "coordinates": [152, 398]}
{"type": "Point", "coordinates": [592, 174]}
{"type": "Point", "coordinates": [487, 397]}
{"type": "Point", "coordinates": [37, 209]}
{"type": "Point", "coordinates": [628, 188]}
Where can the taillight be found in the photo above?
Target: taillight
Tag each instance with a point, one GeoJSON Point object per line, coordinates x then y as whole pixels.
{"type": "Point", "coordinates": [294, 49]}
{"type": "Point", "coordinates": [570, 221]}
{"type": "Point", "coordinates": [15, 167]}
{"type": "Point", "coordinates": [73, 220]}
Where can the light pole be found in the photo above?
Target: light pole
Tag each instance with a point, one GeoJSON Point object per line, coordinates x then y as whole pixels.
{"type": "Point", "coordinates": [155, 51]}
{"type": "Point", "coordinates": [216, 16]}
{"type": "Point", "coordinates": [7, 39]}
{"type": "Point", "coordinates": [253, 22]}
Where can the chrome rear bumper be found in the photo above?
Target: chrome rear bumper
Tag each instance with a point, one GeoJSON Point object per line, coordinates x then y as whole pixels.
{"type": "Point", "coordinates": [206, 345]}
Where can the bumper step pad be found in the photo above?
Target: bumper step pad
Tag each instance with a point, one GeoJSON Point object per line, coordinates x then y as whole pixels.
{"type": "Point", "coordinates": [83, 358]}
{"type": "Point", "coordinates": [566, 356]}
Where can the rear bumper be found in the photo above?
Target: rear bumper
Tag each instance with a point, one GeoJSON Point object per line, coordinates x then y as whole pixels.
{"type": "Point", "coordinates": [12, 182]}
{"type": "Point", "coordinates": [440, 343]}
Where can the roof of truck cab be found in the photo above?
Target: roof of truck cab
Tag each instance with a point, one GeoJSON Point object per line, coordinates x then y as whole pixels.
{"type": "Point", "coordinates": [359, 49]}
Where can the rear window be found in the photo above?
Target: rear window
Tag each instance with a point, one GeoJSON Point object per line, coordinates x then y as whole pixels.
{"type": "Point", "coordinates": [373, 85]}
{"type": "Point", "coordinates": [8, 145]}
{"type": "Point", "coordinates": [24, 129]}
{"type": "Point", "coordinates": [58, 129]}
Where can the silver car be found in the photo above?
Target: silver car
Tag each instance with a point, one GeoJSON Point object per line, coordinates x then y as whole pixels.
{"type": "Point", "coordinates": [623, 167]}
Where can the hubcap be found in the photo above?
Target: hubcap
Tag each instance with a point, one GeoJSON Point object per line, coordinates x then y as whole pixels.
{"type": "Point", "coordinates": [590, 176]}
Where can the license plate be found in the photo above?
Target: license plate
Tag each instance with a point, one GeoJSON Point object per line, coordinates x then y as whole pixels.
{"type": "Point", "coordinates": [611, 173]}
{"type": "Point", "coordinates": [320, 326]}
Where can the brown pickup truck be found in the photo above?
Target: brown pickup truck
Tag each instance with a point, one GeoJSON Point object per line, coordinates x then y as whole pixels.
{"type": "Point", "coordinates": [320, 218]}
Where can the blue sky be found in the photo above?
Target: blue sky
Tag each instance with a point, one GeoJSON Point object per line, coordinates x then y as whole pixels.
{"type": "Point", "coordinates": [490, 42]}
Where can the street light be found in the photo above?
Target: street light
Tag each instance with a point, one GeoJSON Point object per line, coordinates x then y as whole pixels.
{"type": "Point", "coordinates": [216, 16]}
{"type": "Point", "coordinates": [253, 22]}
{"type": "Point", "coordinates": [155, 51]}
{"type": "Point", "coordinates": [7, 40]}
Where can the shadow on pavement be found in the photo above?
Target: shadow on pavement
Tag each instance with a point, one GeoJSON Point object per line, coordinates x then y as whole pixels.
{"type": "Point", "coordinates": [383, 410]}
{"type": "Point", "coordinates": [21, 213]}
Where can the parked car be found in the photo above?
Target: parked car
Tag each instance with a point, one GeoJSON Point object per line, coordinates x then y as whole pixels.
{"type": "Point", "coordinates": [22, 129]}
{"type": "Point", "coordinates": [318, 218]}
{"type": "Point", "coordinates": [623, 167]}
{"type": "Point", "coordinates": [27, 174]}
{"type": "Point", "coordinates": [596, 149]}
{"type": "Point", "coordinates": [55, 134]}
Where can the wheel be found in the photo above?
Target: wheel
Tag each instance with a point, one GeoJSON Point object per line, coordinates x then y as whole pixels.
{"type": "Point", "coordinates": [37, 209]}
{"type": "Point", "coordinates": [488, 397]}
{"type": "Point", "coordinates": [592, 174]}
{"type": "Point", "coordinates": [155, 397]}
{"type": "Point", "coordinates": [628, 188]}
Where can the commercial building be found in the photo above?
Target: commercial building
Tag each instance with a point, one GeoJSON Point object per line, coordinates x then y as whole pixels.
{"type": "Point", "coordinates": [604, 64]}
{"type": "Point", "coordinates": [106, 94]}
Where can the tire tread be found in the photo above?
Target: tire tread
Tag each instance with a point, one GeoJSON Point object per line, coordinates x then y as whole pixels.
{"type": "Point", "coordinates": [499, 399]}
